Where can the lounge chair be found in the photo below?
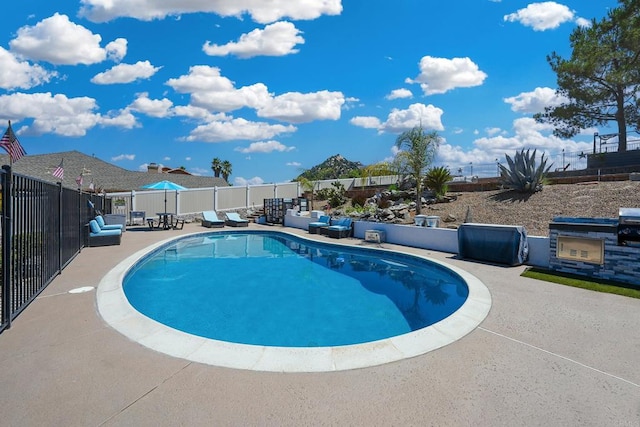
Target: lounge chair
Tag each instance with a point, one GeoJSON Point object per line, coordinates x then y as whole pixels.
{"type": "Point", "coordinates": [103, 226]}
{"type": "Point", "coordinates": [234, 220]}
{"type": "Point", "coordinates": [340, 228]}
{"type": "Point", "coordinates": [210, 220]}
{"type": "Point", "coordinates": [100, 237]}
{"type": "Point", "coordinates": [315, 227]}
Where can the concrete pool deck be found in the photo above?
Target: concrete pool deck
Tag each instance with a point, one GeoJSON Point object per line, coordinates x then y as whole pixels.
{"type": "Point", "coordinates": [545, 355]}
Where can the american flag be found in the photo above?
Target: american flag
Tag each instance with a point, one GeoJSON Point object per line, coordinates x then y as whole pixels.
{"type": "Point", "coordinates": [10, 143]}
{"type": "Point", "coordinates": [79, 181]}
{"type": "Point", "coordinates": [58, 172]}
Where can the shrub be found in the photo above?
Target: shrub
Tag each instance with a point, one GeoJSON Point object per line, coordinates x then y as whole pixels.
{"type": "Point", "coordinates": [359, 199]}
{"type": "Point", "coordinates": [436, 180]}
{"type": "Point", "coordinates": [523, 175]}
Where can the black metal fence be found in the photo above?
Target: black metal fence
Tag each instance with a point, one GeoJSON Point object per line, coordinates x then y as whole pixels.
{"type": "Point", "coordinates": [43, 229]}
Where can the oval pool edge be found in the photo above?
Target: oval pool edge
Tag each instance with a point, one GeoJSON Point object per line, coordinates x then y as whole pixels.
{"type": "Point", "coordinates": [117, 312]}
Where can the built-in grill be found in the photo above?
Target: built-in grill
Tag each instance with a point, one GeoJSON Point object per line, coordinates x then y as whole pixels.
{"type": "Point", "coordinates": [629, 226]}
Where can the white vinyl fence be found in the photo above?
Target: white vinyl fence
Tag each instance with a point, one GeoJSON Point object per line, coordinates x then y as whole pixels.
{"type": "Point", "coordinates": [196, 200]}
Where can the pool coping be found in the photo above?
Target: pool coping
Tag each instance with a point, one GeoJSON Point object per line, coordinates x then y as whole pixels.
{"type": "Point", "coordinates": [116, 311]}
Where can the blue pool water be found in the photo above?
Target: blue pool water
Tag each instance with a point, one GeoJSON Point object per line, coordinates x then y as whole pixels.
{"type": "Point", "coordinates": [272, 289]}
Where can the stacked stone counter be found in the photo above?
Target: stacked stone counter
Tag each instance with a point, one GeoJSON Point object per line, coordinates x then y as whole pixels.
{"type": "Point", "coordinates": [589, 247]}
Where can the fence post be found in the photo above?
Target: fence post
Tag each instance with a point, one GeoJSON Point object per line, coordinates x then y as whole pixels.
{"type": "Point", "coordinates": [215, 197]}
{"type": "Point", "coordinates": [7, 297]}
{"type": "Point", "coordinates": [60, 234]}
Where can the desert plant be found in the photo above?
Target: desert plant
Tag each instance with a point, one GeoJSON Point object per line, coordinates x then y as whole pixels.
{"type": "Point", "coordinates": [523, 175]}
{"type": "Point", "coordinates": [335, 196]}
{"type": "Point", "coordinates": [436, 180]}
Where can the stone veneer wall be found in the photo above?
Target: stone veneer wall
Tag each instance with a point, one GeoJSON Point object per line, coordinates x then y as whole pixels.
{"type": "Point", "coordinates": [621, 263]}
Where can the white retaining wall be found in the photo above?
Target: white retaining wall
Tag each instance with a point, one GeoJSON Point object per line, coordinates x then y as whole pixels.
{"type": "Point", "coordinates": [437, 239]}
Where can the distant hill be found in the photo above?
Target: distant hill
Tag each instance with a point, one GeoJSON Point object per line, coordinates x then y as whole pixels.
{"type": "Point", "coordinates": [334, 167]}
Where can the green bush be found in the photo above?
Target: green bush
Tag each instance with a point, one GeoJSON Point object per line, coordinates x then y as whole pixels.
{"type": "Point", "coordinates": [436, 180]}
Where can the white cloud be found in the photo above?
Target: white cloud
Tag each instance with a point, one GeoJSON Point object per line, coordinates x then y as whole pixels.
{"type": "Point", "coordinates": [210, 90]}
{"type": "Point", "coordinates": [120, 118]}
{"type": "Point", "coordinates": [295, 107]}
{"type": "Point", "coordinates": [493, 131]}
{"type": "Point", "coordinates": [260, 11]}
{"type": "Point", "coordinates": [215, 93]}
{"type": "Point", "coordinates": [440, 75]}
{"type": "Point", "coordinates": [542, 16]}
{"type": "Point", "coordinates": [123, 157]}
{"type": "Point", "coordinates": [59, 41]}
{"type": "Point", "coordinates": [117, 49]}
{"type": "Point", "coordinates": [237, 129]}
{"type": "Point", "coordinates": [240, 181]}
{"type": "Point", "coordinates": [427, 116]}
{"type": "Point", "coordinates": [366, 122]}
{"type": "Point", "coordinates": [536, 101]}
{"type": "Point", "coordinates": [277, 39]}
{"type": "Point", "coordinates": [59, 114]}
{"type": "Point", "coordinates": [582, 22]}
{"type": "Point", "coordinates": [152, 107]}
{"type": "Point", "coordinates": [20, 74]}
{"type": "Point", "coordinates": [399, 94]}
{"type": "Point", "coordinates": [294, 164]}
{"type": "Point", "coordinates": [265, 147]}
{"type": "Point", "coordinates": [527, 134]}
{"type": "Point", "coordinates": [126, 73]}
{"type": "Point", "coordinates": [198, 113]}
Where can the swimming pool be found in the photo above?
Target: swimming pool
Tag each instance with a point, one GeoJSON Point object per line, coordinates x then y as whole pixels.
{"type": "Point", "coordinates": [122, 301]}
{"type": "Point", "coordinates": [276, 290]}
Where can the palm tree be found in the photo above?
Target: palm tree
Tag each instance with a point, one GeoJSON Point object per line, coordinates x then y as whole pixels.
{"type": "Point", "coordinates": [216, 165]}
{"type": "Point", "coordinates": [226, 170]}
{"type": "Point", "coordinates": [418, 151]}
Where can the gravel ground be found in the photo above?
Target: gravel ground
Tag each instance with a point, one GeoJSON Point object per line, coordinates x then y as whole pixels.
{"type": "Point", "coordinates": [536, 211]}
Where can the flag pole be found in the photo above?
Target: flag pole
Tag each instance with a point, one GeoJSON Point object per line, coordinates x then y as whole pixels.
{"type": "Point", "coordinates": [10, 156]}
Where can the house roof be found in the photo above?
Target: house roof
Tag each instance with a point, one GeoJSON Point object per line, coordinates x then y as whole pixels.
{"type": "Point", "coordinates": [104, 175]}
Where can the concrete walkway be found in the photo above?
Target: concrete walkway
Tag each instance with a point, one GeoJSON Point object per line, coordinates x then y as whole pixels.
{"type": "Point", "coordinates": [546, 355]}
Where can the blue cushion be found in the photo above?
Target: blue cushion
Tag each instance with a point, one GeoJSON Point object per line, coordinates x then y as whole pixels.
{"type": "Point", "coordinates": [93, 225]}
{"type": "Point", "coordinates": [344, 222]}
{"type": "Point", "coordinates": [106, 233]}
{"type": "Point", "coordinates": [100, 221]}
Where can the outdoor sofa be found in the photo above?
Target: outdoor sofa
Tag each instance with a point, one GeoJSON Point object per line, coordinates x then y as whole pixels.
{"type": "Point", "coordinates": [102, 237]}
{"type": "Point", "coordinates": [340, 228]}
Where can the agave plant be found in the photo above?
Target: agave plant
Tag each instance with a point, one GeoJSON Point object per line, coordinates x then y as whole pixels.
{"type": "Point", "coordinates": [523, 174]}
{"type": "Point", "coordinates": [436, 180]}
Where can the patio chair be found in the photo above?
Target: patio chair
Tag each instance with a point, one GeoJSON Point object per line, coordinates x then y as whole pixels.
{"type": "Point", "coordinates": [340, 228]}
{"type": "Point", "coordinates": [315, 227]}
{"type": "Point", "coordinates": [104, 226]}
{"type": "Point", "coordinates": [99, 237]}
{"type": "Point", "coordinates": [234, 220]}
{"type": "Point", "coordinates": [210, 220]}
{"type": "Point", "coordinates": [178, 223]}
{"type": "Point", "coordinates": [153, 224]}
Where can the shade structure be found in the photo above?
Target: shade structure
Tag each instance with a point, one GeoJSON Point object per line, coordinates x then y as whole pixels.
{"type": "Point", "coordinates": [164, 185]}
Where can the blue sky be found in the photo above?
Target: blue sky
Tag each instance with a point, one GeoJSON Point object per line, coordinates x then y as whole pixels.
{"type": "Point", "coordinates": [277, 87]}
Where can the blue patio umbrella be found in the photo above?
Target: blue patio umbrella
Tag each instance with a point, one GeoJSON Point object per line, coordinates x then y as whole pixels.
{"type": "Point", "coordinates": [164, 185]}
